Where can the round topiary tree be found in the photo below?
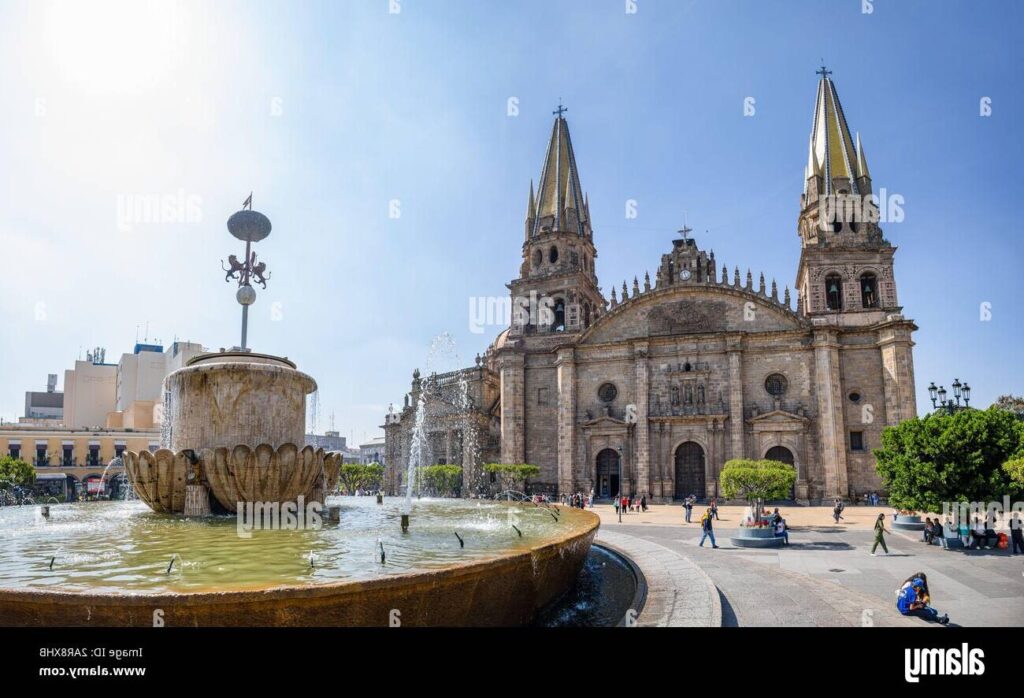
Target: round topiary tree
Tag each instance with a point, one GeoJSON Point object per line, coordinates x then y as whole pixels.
{"type": "Point", "coordinates": [757, 481]}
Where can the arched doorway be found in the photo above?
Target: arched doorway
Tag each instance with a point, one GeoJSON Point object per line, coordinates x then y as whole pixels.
{"type": "Point", "coordinates": [607, 474]}
{"type": "Point", "coordinates": [783, 455]}
{"type": "Point", "coordinates": [690, 471]}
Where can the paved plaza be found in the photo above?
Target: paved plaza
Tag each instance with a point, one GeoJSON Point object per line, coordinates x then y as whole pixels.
{"type": "Point", "coordinates": [826, 577]}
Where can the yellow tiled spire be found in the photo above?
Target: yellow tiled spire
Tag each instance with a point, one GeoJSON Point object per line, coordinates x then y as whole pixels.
{"type": "Point", "coordinates": [559, 189]}
{"type": "Point", "coordinates": [833, 154]}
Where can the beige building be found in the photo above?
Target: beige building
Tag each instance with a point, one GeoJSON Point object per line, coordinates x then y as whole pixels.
{"type": "Point", "coordinates": [106, 409]}
{"type": "Point", "coordinates": [68, 460]}
{"type": "Point", "coordinates": [650, 390]}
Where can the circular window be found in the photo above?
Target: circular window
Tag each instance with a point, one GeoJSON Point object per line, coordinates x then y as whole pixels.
{"type": "Point", "coordinates": [855, 396]}
{"type": "Point", "coordinates": [776, 385]}
{"type": "Point", "coordinates": [607, 392]}
{"type": "Point", "coordinates": [553, 254]}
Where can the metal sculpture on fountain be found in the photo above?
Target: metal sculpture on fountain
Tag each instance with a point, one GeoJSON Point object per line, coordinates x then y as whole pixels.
{"type": "Point", "coordinates": [234, 421]}
{"type": "Point", "coordinates": [248, 226]}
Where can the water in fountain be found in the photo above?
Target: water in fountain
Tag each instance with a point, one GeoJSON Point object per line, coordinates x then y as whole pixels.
{"type": "Point", "coordinates": [165, 421]}
{"type": "Point", "coordinates": [416, 450]}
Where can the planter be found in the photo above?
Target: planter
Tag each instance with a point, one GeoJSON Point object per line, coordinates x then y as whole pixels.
{"type": "Point", "coordinates": [757, 538]}
{"type": "Point", "coordinates": [908, 523]}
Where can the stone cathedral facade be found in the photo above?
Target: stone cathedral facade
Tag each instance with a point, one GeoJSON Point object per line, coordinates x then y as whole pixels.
{"type": "Point", "coordinates": [651, 388]}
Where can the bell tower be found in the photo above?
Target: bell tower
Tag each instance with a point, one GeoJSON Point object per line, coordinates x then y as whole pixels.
{"type": "Point", "coordinates": [557, 287]}
{"type": "Point", "coordinates": [846, 265]}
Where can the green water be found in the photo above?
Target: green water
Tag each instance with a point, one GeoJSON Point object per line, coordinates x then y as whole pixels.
{"type": "Point", "coordinates": [123, 547]}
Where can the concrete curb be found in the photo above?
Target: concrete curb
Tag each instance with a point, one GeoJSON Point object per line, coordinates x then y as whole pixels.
{"type": "Point", "coordinates": [679, 592]}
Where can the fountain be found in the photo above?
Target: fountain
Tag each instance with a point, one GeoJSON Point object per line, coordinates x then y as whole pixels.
{"type": "Point", "coordinates": [233, 426]}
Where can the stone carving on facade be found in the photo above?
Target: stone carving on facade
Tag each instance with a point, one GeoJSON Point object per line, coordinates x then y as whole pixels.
{"type": "Point", "coordinates": [687, 317]}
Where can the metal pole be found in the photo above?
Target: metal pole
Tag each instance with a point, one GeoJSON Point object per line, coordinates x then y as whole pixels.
{"type": "Point", "coordinates": [245, 324]}
{"type": "Point", "coordinates": [245, 280]}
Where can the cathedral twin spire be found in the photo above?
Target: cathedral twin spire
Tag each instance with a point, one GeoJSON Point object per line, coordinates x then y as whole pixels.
{"type": "Point", "coordinates": [559, 204]}
{"type": "Point", "coordinates": [833, 155]}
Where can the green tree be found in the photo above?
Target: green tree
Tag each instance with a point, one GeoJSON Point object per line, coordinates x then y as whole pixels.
{"type": "Point", "coordinates": [513, 476]}
{"type": "Point", "coordinates": [360, 476]}
{"type": "Point", "coordinates": [442, 480]}
{"type": "Point", "coordinates": [1015, 471]}
{"type": "Point", "coordinates": [924, 462]}
{"type": "Point", "coordinates": [14, 472]}
{"type": "Point", "coordinates": [1011, 403]}
{"type": "Point", "coordinates": [757, 481]}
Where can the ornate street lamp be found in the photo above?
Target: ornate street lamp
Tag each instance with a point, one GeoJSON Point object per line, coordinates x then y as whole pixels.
{"type": "Point", "coordinates": [248, 226]}
{"type": "Point", "coordinates": [960, 390]}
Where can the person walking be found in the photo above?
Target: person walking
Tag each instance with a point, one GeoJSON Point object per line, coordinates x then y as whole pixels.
{"type": "Point", "coordinates": [617, 503]}
{"type": "Point", "coordinates": [714, 508]}
{"type": "Point", "coordinates": [688, 506]}
{"type": "Point", "coordinates": [706, 530]}
{"type": "Point", "coordinates": [835, 510]}
{"type": "Point", "coordinates": [880, 531]}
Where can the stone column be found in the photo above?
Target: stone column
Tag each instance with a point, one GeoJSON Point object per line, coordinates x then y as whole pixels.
{"type": "Point", "coordinates": [895, 345]}
{"type": "Point", "coordinates": [511, 367]}
{"type": "Point", "coordinates": [831, 425]}
{"type": "Point", "coordinates": [711, 460]}
{"type": "Point", "coordinates": [735, 349]}
{"type": "Point", "coordinates": [642, 431]}
{"type": "Point", "coordinates": [565, 365]}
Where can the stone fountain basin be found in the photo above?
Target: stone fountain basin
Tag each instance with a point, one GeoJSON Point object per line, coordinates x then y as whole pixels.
{"type": "Point", "coordinates": [507, 589]}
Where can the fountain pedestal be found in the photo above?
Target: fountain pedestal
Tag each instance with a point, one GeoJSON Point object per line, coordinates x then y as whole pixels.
{"type": "Point", "coordinates": [236, 420]}
{"type": "Point", "coordinates": [197, 501]}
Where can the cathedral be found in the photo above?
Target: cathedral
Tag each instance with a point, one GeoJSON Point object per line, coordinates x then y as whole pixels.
{"type": "Point", "coordinates": [652, 388]}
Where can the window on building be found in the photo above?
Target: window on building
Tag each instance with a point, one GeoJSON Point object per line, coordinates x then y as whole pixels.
{"type": "Point", "coordinates": [15, 452]}
{"type": "Point", "coordinates": [118, 450]}
{"type": "Point", "coordinates": [586, 315]}
{"type": "Point", "coordinates": [94, 455]}
{"type": "Point", "coordinates": [856, 441]}
{"type": "Point", "coordinates": [69, 457]}
{"type": "Point", "coordinates": [869, 290]}
{"type": "Point", "coordinates": [553, 254]}
{"type": "Point", "coordinates": [41, 455]}
{"type": "Point", "coordinates": [559, 323]}
{"type": "Point", "coordinates": [607, 392]}
{"type": "Point", "coordinates": [855, 396]}
{"type": "Point", "coordinates": [834, 292]}
{"type": "Point", "coordinates": [776, 385]}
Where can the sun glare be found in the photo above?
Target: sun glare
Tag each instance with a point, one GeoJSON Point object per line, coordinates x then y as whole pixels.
{"type": "Point", "coordinates": [115, 46]}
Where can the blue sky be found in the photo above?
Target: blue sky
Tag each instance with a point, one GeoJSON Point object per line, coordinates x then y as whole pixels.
{"type": "Point", "coordinates": [328, 111]}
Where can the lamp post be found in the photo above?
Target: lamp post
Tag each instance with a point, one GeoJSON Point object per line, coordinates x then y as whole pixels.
{"type": "Point", "coordinates": [952, 405]}
{"type": "Point", "coordinates": [619, 495]}
{"type": "Point", "coordinates": [248, 226]}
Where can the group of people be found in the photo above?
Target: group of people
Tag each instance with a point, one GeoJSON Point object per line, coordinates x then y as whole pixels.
{"type": "Point", "coordinates": [578, 500]}
{"type": "Point", "coordinates": [690, 502]}
{"type": "Point", "coordinates": [627, 504]}
{"type": "Point", "coordinates": [976, 535]}
{"type": "Point", "coordinates": [872, 499]}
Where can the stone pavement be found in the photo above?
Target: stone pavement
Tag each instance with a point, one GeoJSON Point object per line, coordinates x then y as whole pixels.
{"type": "Point", "coordinates": [827, 576]}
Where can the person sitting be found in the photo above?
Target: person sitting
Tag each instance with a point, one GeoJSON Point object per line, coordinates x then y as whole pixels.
{"type": "Point", "coordinates": [927, 533]}
{"type": "Point", "coordinates": [977, 534]}
{"type": "Point", "coordinates": [950, 535]}
{"type": "Point", "coordinates": [913, 599]}
{"type": "Point", "coordinates": [776, 517]}
{"type": "Point", "coordinates": [937, 531]}
{"type": "Point", "coordinates": [781, 530]}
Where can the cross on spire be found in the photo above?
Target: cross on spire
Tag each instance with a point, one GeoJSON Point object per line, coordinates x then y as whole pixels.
{"type": "Point", "coordinates": [561, 110]}
{"type": "Point", "coordinates": [823, 71]}
{"type": "Point", "coordinates": [685, 231]}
